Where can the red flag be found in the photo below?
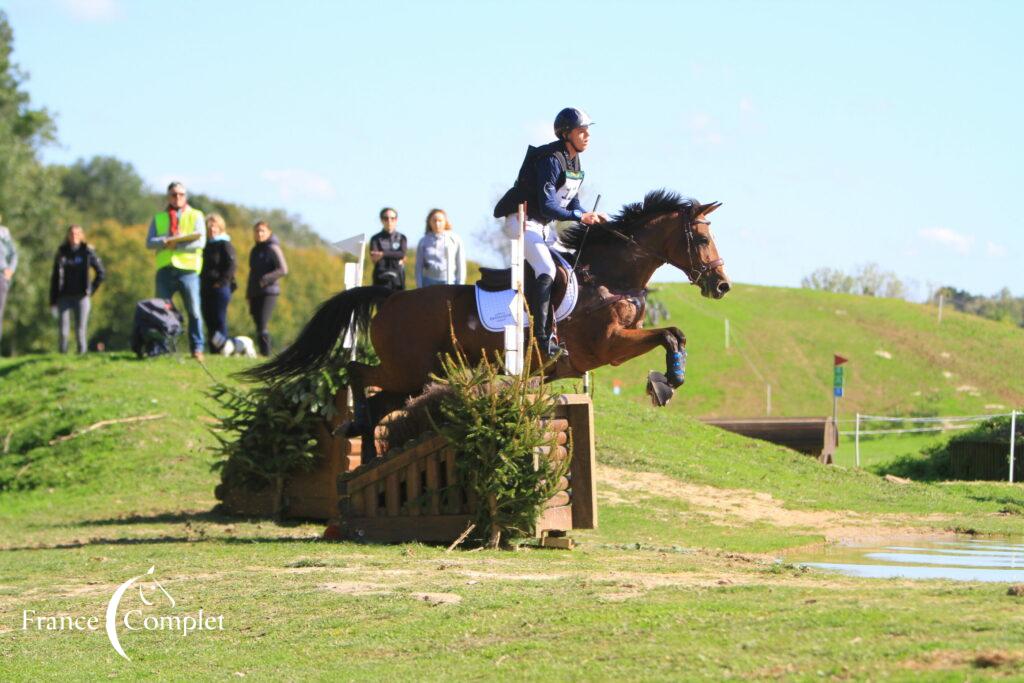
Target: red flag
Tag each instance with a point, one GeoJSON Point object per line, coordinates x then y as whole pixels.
{"type": "Point", "coordinates": [839, 360]}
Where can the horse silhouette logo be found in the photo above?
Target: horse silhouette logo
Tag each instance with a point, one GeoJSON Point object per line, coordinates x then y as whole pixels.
{"type": "Point", "coordinates": [115, 601]}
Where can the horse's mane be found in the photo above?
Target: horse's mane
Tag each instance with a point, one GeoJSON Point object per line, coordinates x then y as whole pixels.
{"type": "Point", "coordinates": [631, 217]}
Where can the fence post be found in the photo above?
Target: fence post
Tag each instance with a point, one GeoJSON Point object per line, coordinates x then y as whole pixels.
{"type": "Point", "coordinates": [856, 438]}
{"type": "Point", "coordinates": [1013, 439]}
{"type": "Point", "coordinates": [514, 343]}
{"type": "Point", "coordinates": [727, 333]}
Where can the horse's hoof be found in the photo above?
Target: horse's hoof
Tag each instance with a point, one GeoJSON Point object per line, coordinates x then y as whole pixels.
{"type": "Point", "coordinates": [659, 389]}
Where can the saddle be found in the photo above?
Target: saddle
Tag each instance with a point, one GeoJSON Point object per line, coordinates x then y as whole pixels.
{"type": "Point", "coordinates": [494, 293]}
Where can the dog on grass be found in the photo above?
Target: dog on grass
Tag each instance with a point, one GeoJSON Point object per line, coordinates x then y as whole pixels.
{"type": "Point", "coordinates": [239, 346]}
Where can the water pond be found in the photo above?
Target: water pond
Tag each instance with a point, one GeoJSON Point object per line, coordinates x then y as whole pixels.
{"type": "Point", "coordinates": [960, 559]}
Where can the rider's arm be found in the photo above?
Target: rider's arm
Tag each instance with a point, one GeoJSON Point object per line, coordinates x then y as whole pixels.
{"type": "Point", "coordinates": [547, 170]}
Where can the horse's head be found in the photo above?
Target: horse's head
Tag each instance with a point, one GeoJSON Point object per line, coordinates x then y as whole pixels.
{"type": "Point", "coordinates": [691, 248]}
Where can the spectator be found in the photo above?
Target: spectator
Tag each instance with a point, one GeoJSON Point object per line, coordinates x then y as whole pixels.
{"type": "Point", "coordinates": [217, 280]}
{"type": "Point", "coordinates": [440, 258]}
{"type": "Point", "coordinates": [178, 237]}
{"type": "Point", "coordinates": [8, 264]}
{"type": "Point", "coordinates": [70, 289]}
{"type": "Point", "coordinates": [387, 251]}
{"type": "Point", "coordinates": [266, 267]}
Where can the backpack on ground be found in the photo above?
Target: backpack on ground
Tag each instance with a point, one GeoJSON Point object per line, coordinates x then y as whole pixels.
{"type": "Point", "coordinates": [156, 327]}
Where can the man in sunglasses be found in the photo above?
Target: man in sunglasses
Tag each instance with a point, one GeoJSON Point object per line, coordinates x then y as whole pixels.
{"type": "Point", "coordinates": [178, 235]}
{"type": "Point", "coordinates": [387, 251]}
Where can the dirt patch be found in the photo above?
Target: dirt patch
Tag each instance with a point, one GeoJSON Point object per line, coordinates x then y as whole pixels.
{"type": "Point", "coordinates": [511, 577]}
{"type": "Point", "coordinates": [949, 659]}
{"type": "Point", "coordinates": [355, 588]}
{"type": "Point", "coordinates": [436, 599]}
{"type": "Point", "coordinates": [730, 507]}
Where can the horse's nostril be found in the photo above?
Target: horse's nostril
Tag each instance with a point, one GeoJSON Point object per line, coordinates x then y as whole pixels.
{"type": "Point", "coordinates": [723, 287]}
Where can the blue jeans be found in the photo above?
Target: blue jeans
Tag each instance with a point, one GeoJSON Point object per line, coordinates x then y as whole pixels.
{"type": "Point", "coordinates": [170, 280]}
{"type": "Point", "coordinates": [430, 282]}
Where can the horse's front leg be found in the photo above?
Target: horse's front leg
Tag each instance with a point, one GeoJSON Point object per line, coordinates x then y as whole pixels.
{"type": "Point", "coordinates": [626, 344]}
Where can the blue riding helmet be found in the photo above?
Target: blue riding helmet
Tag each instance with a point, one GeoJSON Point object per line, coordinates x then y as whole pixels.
{"type": "Point", "coordinates": [570, 118]}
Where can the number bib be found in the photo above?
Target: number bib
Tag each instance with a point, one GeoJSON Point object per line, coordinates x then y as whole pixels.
{"type": "Point", "coordinates": [570, 188]}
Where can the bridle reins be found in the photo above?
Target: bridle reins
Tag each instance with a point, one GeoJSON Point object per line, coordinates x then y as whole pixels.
{"type": "Point", "coordinates": [694, 273]}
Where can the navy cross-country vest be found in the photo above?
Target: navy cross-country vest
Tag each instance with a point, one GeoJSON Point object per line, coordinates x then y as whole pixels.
{"type": "Point", "coordinates": [526, 187]}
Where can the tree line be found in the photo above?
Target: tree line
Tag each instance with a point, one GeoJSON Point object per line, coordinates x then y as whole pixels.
{"type": "Point", "coordinates": [871, 280]}
{"type": "Point", "coordinates": [112, 202]}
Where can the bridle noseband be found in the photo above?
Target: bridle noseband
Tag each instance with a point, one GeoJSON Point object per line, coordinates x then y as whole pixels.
{"type": "Point", "coordinates": [700, 271]}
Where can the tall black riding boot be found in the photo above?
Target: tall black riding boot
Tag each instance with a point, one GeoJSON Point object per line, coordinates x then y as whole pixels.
{"type": "Point", "coordinates": [543, 317]}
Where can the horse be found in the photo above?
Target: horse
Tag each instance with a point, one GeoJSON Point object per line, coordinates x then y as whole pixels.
{"type": "Point", "coordinates": [615, 260]}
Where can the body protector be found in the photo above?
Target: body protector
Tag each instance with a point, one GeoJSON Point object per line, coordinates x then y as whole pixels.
{"type": "Point", "coordinates": [528, 188]}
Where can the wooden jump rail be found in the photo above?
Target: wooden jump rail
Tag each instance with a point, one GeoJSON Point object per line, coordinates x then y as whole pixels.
{"type": "Point", "coordinates": [415, 493]}
{"type": "Point", "coordinates": [815, 436]}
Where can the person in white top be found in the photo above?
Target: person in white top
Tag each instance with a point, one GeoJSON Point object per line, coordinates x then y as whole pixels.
{"type": "Point", "coordinates": [440, 256]}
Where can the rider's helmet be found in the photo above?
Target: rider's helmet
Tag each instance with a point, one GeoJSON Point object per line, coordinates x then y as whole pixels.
{"type": "Point", "coordinates": [568, 119]}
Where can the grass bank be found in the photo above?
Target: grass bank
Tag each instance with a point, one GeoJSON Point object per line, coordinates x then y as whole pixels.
{"type": "Point", "coordinates": [685, 578]}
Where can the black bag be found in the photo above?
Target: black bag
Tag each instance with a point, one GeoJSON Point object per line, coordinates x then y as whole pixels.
{"type": "Point", "coordinates": [156, 327]}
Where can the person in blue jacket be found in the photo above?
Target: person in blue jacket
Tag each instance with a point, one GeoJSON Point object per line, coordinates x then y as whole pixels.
{"type": "Point", "coordinates": [549, 182]}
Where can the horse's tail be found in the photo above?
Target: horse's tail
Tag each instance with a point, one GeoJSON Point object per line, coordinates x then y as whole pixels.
{"type": "Point", "coordinates": [318, 339]}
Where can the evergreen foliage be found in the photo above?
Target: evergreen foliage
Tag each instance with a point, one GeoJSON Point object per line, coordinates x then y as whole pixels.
{"type": "Point", "coordinates": [269, 432]}
{"type": "Point", "coordinates": [496, 426]}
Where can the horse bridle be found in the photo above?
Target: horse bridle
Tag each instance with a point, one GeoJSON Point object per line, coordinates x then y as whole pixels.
{"type": "Point", "coordinates": [701, 270]}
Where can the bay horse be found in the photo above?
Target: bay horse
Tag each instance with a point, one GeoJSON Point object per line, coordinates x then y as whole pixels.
{"type": "Point", "coordinates": [614, 262]}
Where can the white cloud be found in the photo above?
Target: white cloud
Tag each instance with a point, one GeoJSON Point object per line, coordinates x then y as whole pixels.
{"type": "Point", "coordinates": [296, 183]}
{"type": "Point", "coordinates": [995, 250]}
{"type": "Point", "coordinates": [92, 10]}
{"type": "Point", "coordinates": [705, 129]}
{"type": "Point", "coordinates": [746, 104]}
{"type": "Point", "coordinates": [948, 238]}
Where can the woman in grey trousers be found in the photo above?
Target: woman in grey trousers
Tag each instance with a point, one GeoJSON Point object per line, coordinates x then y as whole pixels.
{"type": "Point", "coordinates": [70, 287]}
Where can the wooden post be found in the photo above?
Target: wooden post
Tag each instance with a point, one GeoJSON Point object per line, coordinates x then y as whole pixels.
{"type": "Point", "coordinates": [856, 438]}
{"type": "Point", "coordinates": [582, 465]}
{"type": "Point", "coordinates": [1013, 440]}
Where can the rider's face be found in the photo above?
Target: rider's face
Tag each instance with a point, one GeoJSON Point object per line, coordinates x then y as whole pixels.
{"type": "Point", "coordinates": [580, 137]}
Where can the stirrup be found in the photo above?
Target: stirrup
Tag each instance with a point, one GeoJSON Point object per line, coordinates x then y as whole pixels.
{"type": "Point", "coordinates": [549, 347]}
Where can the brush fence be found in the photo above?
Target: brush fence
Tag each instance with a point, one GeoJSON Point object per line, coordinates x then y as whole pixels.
{"type": "Point", "coordinates": [415, 494]}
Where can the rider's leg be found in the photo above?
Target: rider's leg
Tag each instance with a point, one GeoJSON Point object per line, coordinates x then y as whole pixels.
{"type": "Point", "coordinates": [539, 258]}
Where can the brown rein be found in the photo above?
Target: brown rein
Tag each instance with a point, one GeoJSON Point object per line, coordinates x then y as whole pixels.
{"type": "Point", "coordinates": [702, 270]}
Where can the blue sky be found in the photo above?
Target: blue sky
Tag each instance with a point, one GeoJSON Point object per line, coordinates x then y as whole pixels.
{"type": "Point", "coordinates": [835, 133]}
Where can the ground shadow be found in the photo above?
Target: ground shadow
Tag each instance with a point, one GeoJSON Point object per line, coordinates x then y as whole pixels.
{"type": "Point", "coordinates": [213, 516]}
{"type": "Point", "coordinates": [160, 540]}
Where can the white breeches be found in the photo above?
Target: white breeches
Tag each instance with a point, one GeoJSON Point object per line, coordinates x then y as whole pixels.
{"type": "Point", "coordinates": [536, 239]}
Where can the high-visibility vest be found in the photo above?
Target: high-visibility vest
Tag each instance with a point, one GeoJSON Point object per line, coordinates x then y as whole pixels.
{"type": "Point", "coordinates": [188, 222]}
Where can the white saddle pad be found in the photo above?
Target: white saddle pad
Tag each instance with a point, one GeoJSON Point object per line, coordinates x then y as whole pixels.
{"type": "Point", "coordinates": [494, 308]}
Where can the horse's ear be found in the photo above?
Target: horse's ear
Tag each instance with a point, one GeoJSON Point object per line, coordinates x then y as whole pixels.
{"type": "Point", "coordinates": [708, 208]}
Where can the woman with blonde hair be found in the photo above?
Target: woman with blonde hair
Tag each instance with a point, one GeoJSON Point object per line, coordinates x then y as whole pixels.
{"type": "Point", "coordinates": [217, 280]}
{"type": "Point", "coordinates": [440, 256]}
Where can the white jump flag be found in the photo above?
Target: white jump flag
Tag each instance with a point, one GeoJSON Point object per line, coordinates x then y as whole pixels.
{"type": "Point", "coordinates": [350, 245]}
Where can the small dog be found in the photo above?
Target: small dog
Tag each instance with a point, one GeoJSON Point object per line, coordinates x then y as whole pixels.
{"type": "Point", "coordinates": [239, 346]}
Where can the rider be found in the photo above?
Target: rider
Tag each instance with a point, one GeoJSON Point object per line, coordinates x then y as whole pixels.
{"type": "Point", "coordinates": [549, 181]}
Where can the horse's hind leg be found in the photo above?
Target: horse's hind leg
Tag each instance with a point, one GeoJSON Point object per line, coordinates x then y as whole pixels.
{"type": "Point", "coordinates": [368, 412]}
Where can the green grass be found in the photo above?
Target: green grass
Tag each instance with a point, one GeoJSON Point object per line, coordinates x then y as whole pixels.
{"type": "Point", "coordinates": [667, 588]}
{"type": "Point", "coordinates": [786, 338]}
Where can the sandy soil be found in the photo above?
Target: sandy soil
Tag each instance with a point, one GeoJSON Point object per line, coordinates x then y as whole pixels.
{"type": "Point", "coordinates": [741, 506]}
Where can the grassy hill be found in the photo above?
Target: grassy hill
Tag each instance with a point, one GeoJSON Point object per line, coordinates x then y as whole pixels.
{"type": "Point", "coordinates": [902, 361]}
{"type": "Point", "coordinates": [687, 576]}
